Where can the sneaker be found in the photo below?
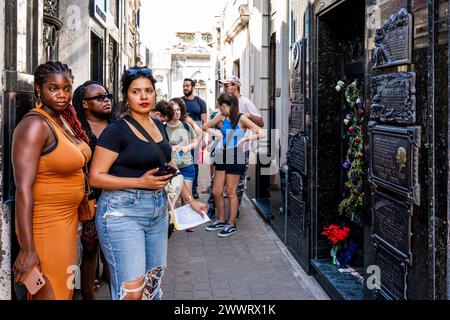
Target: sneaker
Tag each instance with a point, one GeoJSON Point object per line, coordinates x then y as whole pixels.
{"type": "Point", "coordinates": [216, 225]}
{"type": "Point", "coordinates": [211, 213]}
{"type": "Point", "coordinates": [195, 195]}
{"type": "Point", "coordinates": [227, 231]}
{"type": "Point", "coordinates": [190, 230]}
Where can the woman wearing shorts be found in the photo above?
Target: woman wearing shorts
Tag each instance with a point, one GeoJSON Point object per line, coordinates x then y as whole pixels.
{"type": "Point", "coordinates": [229, 161]}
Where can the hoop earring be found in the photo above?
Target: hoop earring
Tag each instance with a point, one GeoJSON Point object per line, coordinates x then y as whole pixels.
{"type": "Point", "coordinates": [38, 103]}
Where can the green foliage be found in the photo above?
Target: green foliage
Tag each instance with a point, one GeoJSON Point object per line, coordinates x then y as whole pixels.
{"type": "Point", "coordinates": [354, 135]}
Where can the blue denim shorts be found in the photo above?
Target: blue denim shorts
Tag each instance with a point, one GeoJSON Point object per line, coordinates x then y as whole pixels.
{"type": "Point", "coordinates": [132, 227]}
{"type": "Point", "coordinates": [188, 172]}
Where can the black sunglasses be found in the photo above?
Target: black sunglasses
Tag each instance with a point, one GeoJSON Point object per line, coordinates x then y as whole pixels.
{"type": "Point", "coordinates": [100, 97]}
{"type": "Point", "coordinates": [135, 71]}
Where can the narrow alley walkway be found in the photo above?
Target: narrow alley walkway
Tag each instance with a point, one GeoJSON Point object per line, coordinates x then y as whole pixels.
{"type": "Point", "coordinates": [252, 264]}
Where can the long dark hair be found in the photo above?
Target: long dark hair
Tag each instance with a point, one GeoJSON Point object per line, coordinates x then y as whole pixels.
{"type": "Point", "coordinates": [182, 106]}
{"type": "Point", "coordinates": [233, 102]}
{"type": "Point", "coordinates": [77, 100]}
{"type": "Point", "coordinates": [69, 114]}
{"type": "Point", "coordinates": [132, 74]}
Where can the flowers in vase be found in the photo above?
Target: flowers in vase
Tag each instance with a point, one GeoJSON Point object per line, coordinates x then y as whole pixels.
{"type": "Point", "coordinates": [337, 235]}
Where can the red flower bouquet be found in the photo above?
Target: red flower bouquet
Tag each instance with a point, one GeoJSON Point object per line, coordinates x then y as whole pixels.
{"type": "Point", "coordinates": [337, 235]}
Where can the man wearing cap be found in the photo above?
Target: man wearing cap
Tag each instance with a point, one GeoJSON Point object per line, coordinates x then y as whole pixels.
{"type": "Point", "coordinates": [196, 109]}
{"type": "Point", "coordinates": [232, 85]}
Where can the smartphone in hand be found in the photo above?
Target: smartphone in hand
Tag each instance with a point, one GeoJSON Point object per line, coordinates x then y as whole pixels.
{"type": "Point", "coordinates": [34, 281]}
{"type": "Point", "coordinates": [165, 169]}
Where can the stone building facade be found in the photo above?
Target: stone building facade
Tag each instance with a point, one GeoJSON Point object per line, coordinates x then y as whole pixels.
{"type": "Point", "coordinates": [253, 45]}
{"type": "Point", "coordinates": [189, 55]}
{"type": "Point", "coordinates": [96, 38]}
{"type": "Point", "coordinates": [191, 58]}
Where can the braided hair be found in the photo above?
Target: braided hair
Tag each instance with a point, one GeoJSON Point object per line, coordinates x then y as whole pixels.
{"type": "Point", "coordinates": [40, 77]}
{"type": "Point", "coordinates": [77, 100]}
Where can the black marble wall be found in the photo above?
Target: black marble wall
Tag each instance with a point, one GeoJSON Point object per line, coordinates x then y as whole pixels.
{"type": "Point", "coordinates": [328, 131]}
{"type": "Point", "coordinates": [441, 90]}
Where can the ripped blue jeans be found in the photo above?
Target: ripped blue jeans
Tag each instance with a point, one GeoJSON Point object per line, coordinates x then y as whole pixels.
{"type": "Point", "coordinates": [132, 228]}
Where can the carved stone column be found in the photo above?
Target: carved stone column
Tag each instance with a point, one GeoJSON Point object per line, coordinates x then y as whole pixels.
{"type": "Point", "coordinates": [52, 25]}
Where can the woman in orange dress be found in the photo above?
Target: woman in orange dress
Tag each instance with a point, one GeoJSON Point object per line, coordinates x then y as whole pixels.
{"type": "Point", "coordinates": [48, 156]}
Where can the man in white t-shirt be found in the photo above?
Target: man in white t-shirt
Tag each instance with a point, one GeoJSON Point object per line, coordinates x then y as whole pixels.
{"type": "Point", "coordinates": [232, 85]}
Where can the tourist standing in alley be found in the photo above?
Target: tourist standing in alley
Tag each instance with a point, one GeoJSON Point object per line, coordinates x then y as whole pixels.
{"type": "Point", "coordinates": [132, 216]}
{"type": "Point", "coordinates": [49, 152]}
{"type": "Point", "coordinates": [232, 85]}
{"type": "Point", "coordinates": [182, 139]}
{"type": "Point", "coordinates": [228, 161]}
{"type": "Point", "coordinates": [196, 109]}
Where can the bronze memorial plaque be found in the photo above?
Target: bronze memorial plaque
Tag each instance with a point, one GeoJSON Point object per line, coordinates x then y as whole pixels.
{"type": "Point", "coordinates": [297, 118]}
{"type": "Point", "coordinates": [394, 159]}
{"type": "Point", "coordinates": [393, 273]}
{"type": "Point", "coordinates": [392, 223]}
{"type": "Point", "coordinates": [297, 153]}
{"type": "Point", "coordinates": [296, 215]}
{"type": "Point", "coordinates": [393, 40]}
{"type": "Point", "coordinates": [297, 94]}
{"type": "Point", "coordinates": [394, 98]}
{"type": "Point", "coordinates": [296, 183]}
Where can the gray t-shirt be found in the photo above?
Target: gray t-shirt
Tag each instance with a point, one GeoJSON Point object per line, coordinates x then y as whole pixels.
{"type": "Point", "coordinates": [178, 135]}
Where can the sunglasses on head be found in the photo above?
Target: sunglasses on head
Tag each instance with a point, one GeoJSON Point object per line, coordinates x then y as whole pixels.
{"type": "Point", "coordinates": [135, 71]}
{"type": "Point", "coordinates": [100, 97]}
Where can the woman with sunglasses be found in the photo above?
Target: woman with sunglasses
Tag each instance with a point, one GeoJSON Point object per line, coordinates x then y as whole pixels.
{"type": "Point", "coordinates": [92, 103]}
{"type": "Point", "coordinates": [132, 217]}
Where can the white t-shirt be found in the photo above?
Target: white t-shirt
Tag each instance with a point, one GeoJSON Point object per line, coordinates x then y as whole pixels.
{"type": "Point", "coordinates": [247, 106]}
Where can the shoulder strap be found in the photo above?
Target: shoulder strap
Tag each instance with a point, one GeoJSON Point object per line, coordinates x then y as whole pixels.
{"type": "Point", "coordinates": [137, 125]}
{"type": "Point", "coordinates": [139, 128]}
{"type": "Point", "coordinates": [185, 125]}
{"type": "Point", "coordinates": [34, 113]}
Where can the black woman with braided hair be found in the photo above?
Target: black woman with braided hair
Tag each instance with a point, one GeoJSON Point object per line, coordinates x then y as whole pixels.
{"type": "Point", "coordinates": [49, 152]}
{"type": "Point", "coordinates": [93, 104]}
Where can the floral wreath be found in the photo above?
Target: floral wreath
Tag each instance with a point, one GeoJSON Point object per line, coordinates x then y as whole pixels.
{"type": "Point", "coordinates": [352, 204]}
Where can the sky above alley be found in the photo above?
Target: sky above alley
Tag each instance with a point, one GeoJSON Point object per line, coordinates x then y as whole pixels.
{"type": "Point", "coordinates": [160, 19]}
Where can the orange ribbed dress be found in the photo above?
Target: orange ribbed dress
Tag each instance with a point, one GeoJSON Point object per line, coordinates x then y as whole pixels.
{"type": "Point", "coordinates": [58, 190]}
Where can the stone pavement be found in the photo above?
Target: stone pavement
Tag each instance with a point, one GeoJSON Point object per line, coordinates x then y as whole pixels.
{"type": "Point", "coordinates": [252, 264]}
